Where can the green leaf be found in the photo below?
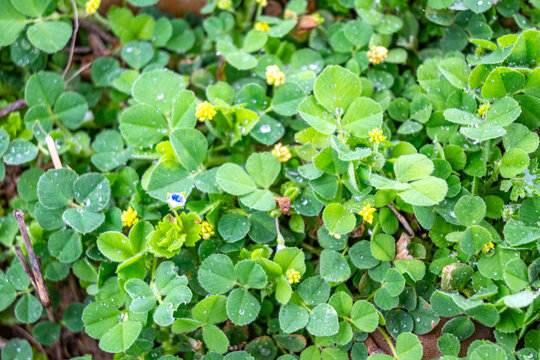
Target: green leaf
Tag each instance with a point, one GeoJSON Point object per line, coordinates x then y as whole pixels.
{"type": "Point", "coordinates": [120, 337]}
{"type": "Point", "coordinates": [216, 274]}
{"type": "Point", "coordinates": [143, 299]}
{"type": "Point", "coordinates": [462, 327]}
{"type": "Point", "coordinates": [261, 200]}
{"type": "Point", "coordinates": [93, 191]}
{"type": "Point", "coordinates": [361, 257]}
{"type": "Point", "coordinates": [263, 168]}
{"type": "Point", "coordinates": [425, 192]}
{"type": "Point", "coordinates": [314, 290]}
{"type": "Point", "coordinates": [234, 180]}
{"type": "Point", "coordinates": [501, 82]}
{"type": "Point", "coordinates": [338, 219]}
{"type": "Point", "coordinates": [503, 112]}
{"type": "Point", "coordinates": [286, 99]}
{"type": "Point", "coordinates": [316, 116]}
{"type": "Point", "coordinates": [517, 233]}
{"type": "Point", "coordinates": [516, 275]}
{"type": "Point", "coordinates": [83, 220]}
{"type": "Point", "coordinates": [334, 267]}
{"type": "Point", "coordinates": [115, 245]}
{"type": "Point", "coordinates": [251, 274]}
{"type": "Point", "coordinates": [412, 167]}
{"type": "Point", "coordinates": [98, 318]}
{"type": "Point", "coordinates": [137, 53]}
{"type": "Point", "coordinates": [190, 147]}
{"type": "Point", "coordinates": [456, 71]}
{"type": "Point", "coordinates": [362, 116]}
{"type": "Point", "coordinates": [49, 36]}
{"type": "Point", "coordinates": [12, 23]}
{"type": "Point", "coordinates": [513, 163]}
{"type": "Point", "coordinates": [183, 110]}
{"type": "Point", "coordinates": [55, 188]}
{"type": "Point", "coordinates": [169, 177]}
{"type": "Point", "coordinates": [142, 125]}
{"type": "Point", "coordinates": [28, 309]}
{"type": "Point", "coordinates": [47, 332]}
{"type": "Point", "coordinates": [470, 210]}
{"type": "Point", "coordinates": [20, 151]}
{"type": "Point", "coordinates": [393, 282]}
{"type": "Point", "coordinates": [65, 245]}
{"type": "Point", "coordinates": [71, 108]}
{"type": "Point", "coordinates": [233, 227]}
{"type": "Point", "coordinates": [364, 316]}
{"type": "Point", "coordinates": [336, 88]}
{"type": "Point", "coordinates": [519, 137]}
{"type": "Point", "coordinates": [17, 349]}
{"type": "Point", "coordinates": [215, 339]}
{"type": "Point", "coordinates": [461, 117]}
{"type": "Point", "coordinates": [383, 247]}
{"type": "Point", "coordinates": [408, 347]}
{"type": "Point", "coordinates": [242, 307]}
{"type": "Point", "coordinates": [292, 318]}
{"type": "Point", "coordinates": [154, 88]}
{"type": "Point", "coordinates": [483, 132]}
{"type": "Point", "coordinates": [323, 321]}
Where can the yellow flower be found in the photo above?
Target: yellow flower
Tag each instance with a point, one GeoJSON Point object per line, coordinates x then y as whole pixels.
{"type": "Point", "coordinates": [207, 230]}
{"type": "Point", "coordinates": [263, 3]}
{"type": "Point", "coordinates": [317, 18]}
{"type": "Point", "coordinates": [367, 213]}
{"type": "Point", "coordinates": [483, 109]}
{"type": "Point", "coordinates": [377, 54]}
{"type": "Point", "coordinates": [274, 76]}
{"type": "Point", "coordinates": [376, 136]}
{"type": "Point", "coordinates": [337, 236]}
{"type": "Point", "coordinates": [205, 111]}
{"type": "Point", "coordinates": [293, 276]}
{"type": "Point", "coordinates": [282, 153]}
{"type": "Point", "coordinates": [92, 6]}
{"type": "Point", "coordinates": [262, 26]}
{"type": "Point", "coordinates": [129, 217]}
{"type": "Point", "coordinates": [488, 247]}
{"type": "Point", "coordinates": [224, 4]}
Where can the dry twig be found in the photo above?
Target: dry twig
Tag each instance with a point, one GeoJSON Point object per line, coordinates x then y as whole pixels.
{"type": "Point", "coordinates": [402, 220]}
{"type": "Point", "coordinates": [73, 37]}
{"type": "Point", "coordinates": [14, 106]}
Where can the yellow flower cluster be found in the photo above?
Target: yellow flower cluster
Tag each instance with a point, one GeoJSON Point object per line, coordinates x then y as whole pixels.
{"type": "Point", "coordinates": [262, 26]}
{"type": "Point", "coordinates": [376, 136]}
{"type": "Point", "coordinates": [293, 276]}
{"type": "Point", "coordinates": [92, 6]}
{"type": "Point", "coordinates": [205, 111]}
{"type": "Point", "coordinates": [224, 4]}
{"type": "Point", "coordinates": [207, 230]}
{"type": "Point", "coordinates": [377, 54]}
{"type": "Point", "coordinates": [483, 109]}
{"type": "Point", "coordinates": [282, 152]}
{"type": "Point", "coordinates": [274, 76]}
{"type": "Point", "coordinates": [488, 247]}
{"type": "Point", "coordinates": [263, 3]}
{"type": "Point", "coordinates": [129, 217]}
{"type": "Point", "coordinates": [367, 213]}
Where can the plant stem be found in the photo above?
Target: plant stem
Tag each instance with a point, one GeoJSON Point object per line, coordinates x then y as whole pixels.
{"type": "Point", "coordinates": [390, 344]}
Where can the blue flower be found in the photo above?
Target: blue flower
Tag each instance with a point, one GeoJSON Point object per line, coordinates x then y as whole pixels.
{"type": "Point", "coordinates": [176, 200]}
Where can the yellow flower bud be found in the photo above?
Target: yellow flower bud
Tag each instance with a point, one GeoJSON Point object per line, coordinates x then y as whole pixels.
{"type": "Point", "coordinates": [92, 6]}
{"type": "Point", "coordinates": [376, 136]}
{"type": "Point", "coordinates": [263, 3]}
{"type": "Point", "coordinates": [282, 152]}
{"type": "Point", "coordinates": [274, 76]}
{"type": "Point", "coordinates": [367, 213]}
{"type": "Point", "coordinates": [129, 217]}
{"type": "Point", "coordinates": [205, 111]}
{"type": "Point", "coordinates": [483, 109]}
{"type": "Point", "coordinates": [488, 247]}
{"type": "Point", "coordinates": [262, 26]}
{"type": "Point", "coordinates": [207, 230]}
{"type": "Point", "coordinates": [224, 4]}
{"type": "Point", "coordinates": [293, 276]}
{"type": "Point", "coordinates": [377, 54]}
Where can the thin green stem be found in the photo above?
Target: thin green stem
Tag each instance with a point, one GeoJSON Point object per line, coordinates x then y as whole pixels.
{"type": "Point", "coordinates": [390, 344]}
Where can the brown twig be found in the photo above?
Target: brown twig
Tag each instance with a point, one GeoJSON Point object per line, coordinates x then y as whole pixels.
{"type": "Point", "coordinates": [24, 263]}
{"type": "Point", "coordinates": [79, 49]}
{"type": "Point", "coordinates": [30, 338]}
{"type": "Point", "coordinates": [93, 28]}
{"type": "Point", "coordinates": [73, 37]}
{"type": "Point", "coordinates": [80, 70]}
{"type": "Point", "coordinates": [402, 220]}
{"type": "Point", "coordinates": [14, 106]}
{"type": "Point", "coordinates": [35, 264]}
{"type": "Point", "coordinates": [372, 347]}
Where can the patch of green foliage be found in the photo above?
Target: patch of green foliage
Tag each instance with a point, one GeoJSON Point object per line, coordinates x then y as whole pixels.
{"type": "Point", "coordinates": [244, 186]}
